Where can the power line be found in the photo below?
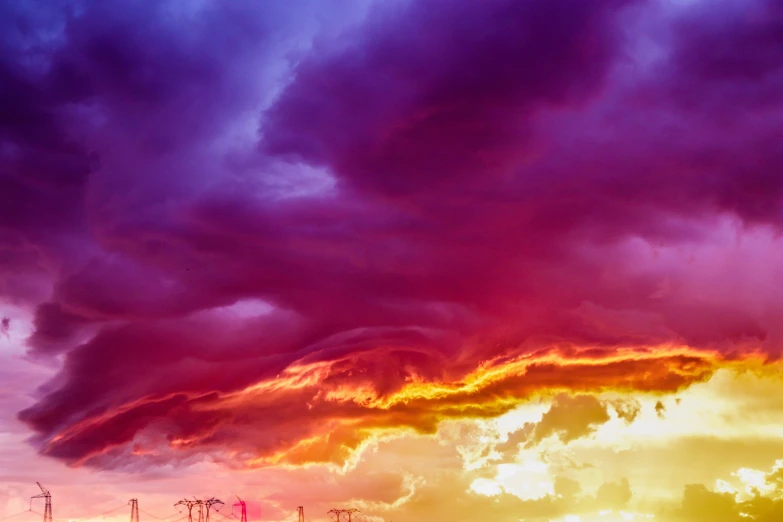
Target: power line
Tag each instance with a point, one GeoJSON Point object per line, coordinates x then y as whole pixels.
{"type": "Point", "coordinates": [103, 514]}
{"type": "Point", "coordinates": [156, 517]}
{"type": "Point", "coordinates": [180, 518]}
{"type": "Point", "coordinates": [17, 514]}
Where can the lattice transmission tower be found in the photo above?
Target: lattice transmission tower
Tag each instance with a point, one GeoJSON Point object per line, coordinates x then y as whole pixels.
{"type": "Point", "coordinates": [134, 504]}
{"type": "Point", "coordinates": [189, 504]}
{"type": "Point", "coordinates": [212, 502]}
{"type": "Point", "coordinates": [338, 512]}
{"type": "Point", "coordinates": [242, 508]}
{"type": "Point", "coordinates": [47, 517]}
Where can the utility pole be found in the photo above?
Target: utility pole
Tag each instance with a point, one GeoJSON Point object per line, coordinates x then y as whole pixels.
{"type": "Point", "coordinates": [243, 507]}
{"type": "Point", "coordinates": [300, 514]}
{"type": "Point", "coordinates": [189, 505]}
{"type": "Point", "coordinates": [134, 504]}
{"type": "Point", "coordinates": [48, 497]}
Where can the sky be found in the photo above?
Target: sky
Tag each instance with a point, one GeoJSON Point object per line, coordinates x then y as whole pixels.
{"type": "Point", "coordinates": [509, 260]}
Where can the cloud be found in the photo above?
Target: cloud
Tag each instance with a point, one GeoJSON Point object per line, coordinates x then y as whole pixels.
{"type": "Point", "coordinates": [627, 410]}
{"type": "Point", "coordinates": [611, 495]}
{"type": "Point", "coordinates": [298, 413]}
{"type": "Point", "coordinates": [453, 241]}
{"type": "Point", "coordinates": [447, 496]}
{"type": "Point", "coordinates": [775, 477]}
{"type": "Point", "coordinates": [428, 96]}
{"type": "Point", "coordinates": [5, 328]}
{"type": "Point", "coordinates": [566, 487]}
{"type": "Point", "coordinates": [698, 502]}
{"type": "Point", "coordinates": [660, 409]}
{"type": "Point", "coordinates": [570, 418]}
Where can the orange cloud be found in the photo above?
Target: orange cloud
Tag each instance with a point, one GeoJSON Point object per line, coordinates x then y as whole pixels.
{"type": "Point", "coordinates": [313, 413]}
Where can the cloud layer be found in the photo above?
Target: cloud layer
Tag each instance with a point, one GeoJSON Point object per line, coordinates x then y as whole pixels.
{"type": "Point", "coordinates": [268, 234]}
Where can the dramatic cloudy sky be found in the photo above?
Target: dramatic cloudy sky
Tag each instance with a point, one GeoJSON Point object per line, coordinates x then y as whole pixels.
{"type": "Point", "coordinates": [430, 259]}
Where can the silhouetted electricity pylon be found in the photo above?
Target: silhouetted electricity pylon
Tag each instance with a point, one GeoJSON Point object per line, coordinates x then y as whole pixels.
{"type": "Point", "coordinates": [338, 512]}
{"type": "Point", "coordinates": [243, 508]}
{"type": "Point", "coordinates": [211, 502]}
{"type": "Point", "coordinates": [134, 504]}
{"type": "Point", "coordinates": [48, 497]}
{"type": "Point", "coordinates": [189, 505]}
{"type": "Point", "coordinates": [300, 514]}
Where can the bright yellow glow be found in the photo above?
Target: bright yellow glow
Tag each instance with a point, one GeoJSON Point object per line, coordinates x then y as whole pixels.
{"type": "Point", "coordinates": [607, 515]}
{"type": "Point", "coordinates": [755, 481]}
{"type": "Point", "coordinates": [528, 479]}
{"type": "Point", "coordinates": [486, 487]}
{"type": "Point", "coordinates": [721, 486]}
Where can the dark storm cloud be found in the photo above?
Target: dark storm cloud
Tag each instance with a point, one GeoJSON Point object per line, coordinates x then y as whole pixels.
{"type": "Point", "coordinates": [472, 183]}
